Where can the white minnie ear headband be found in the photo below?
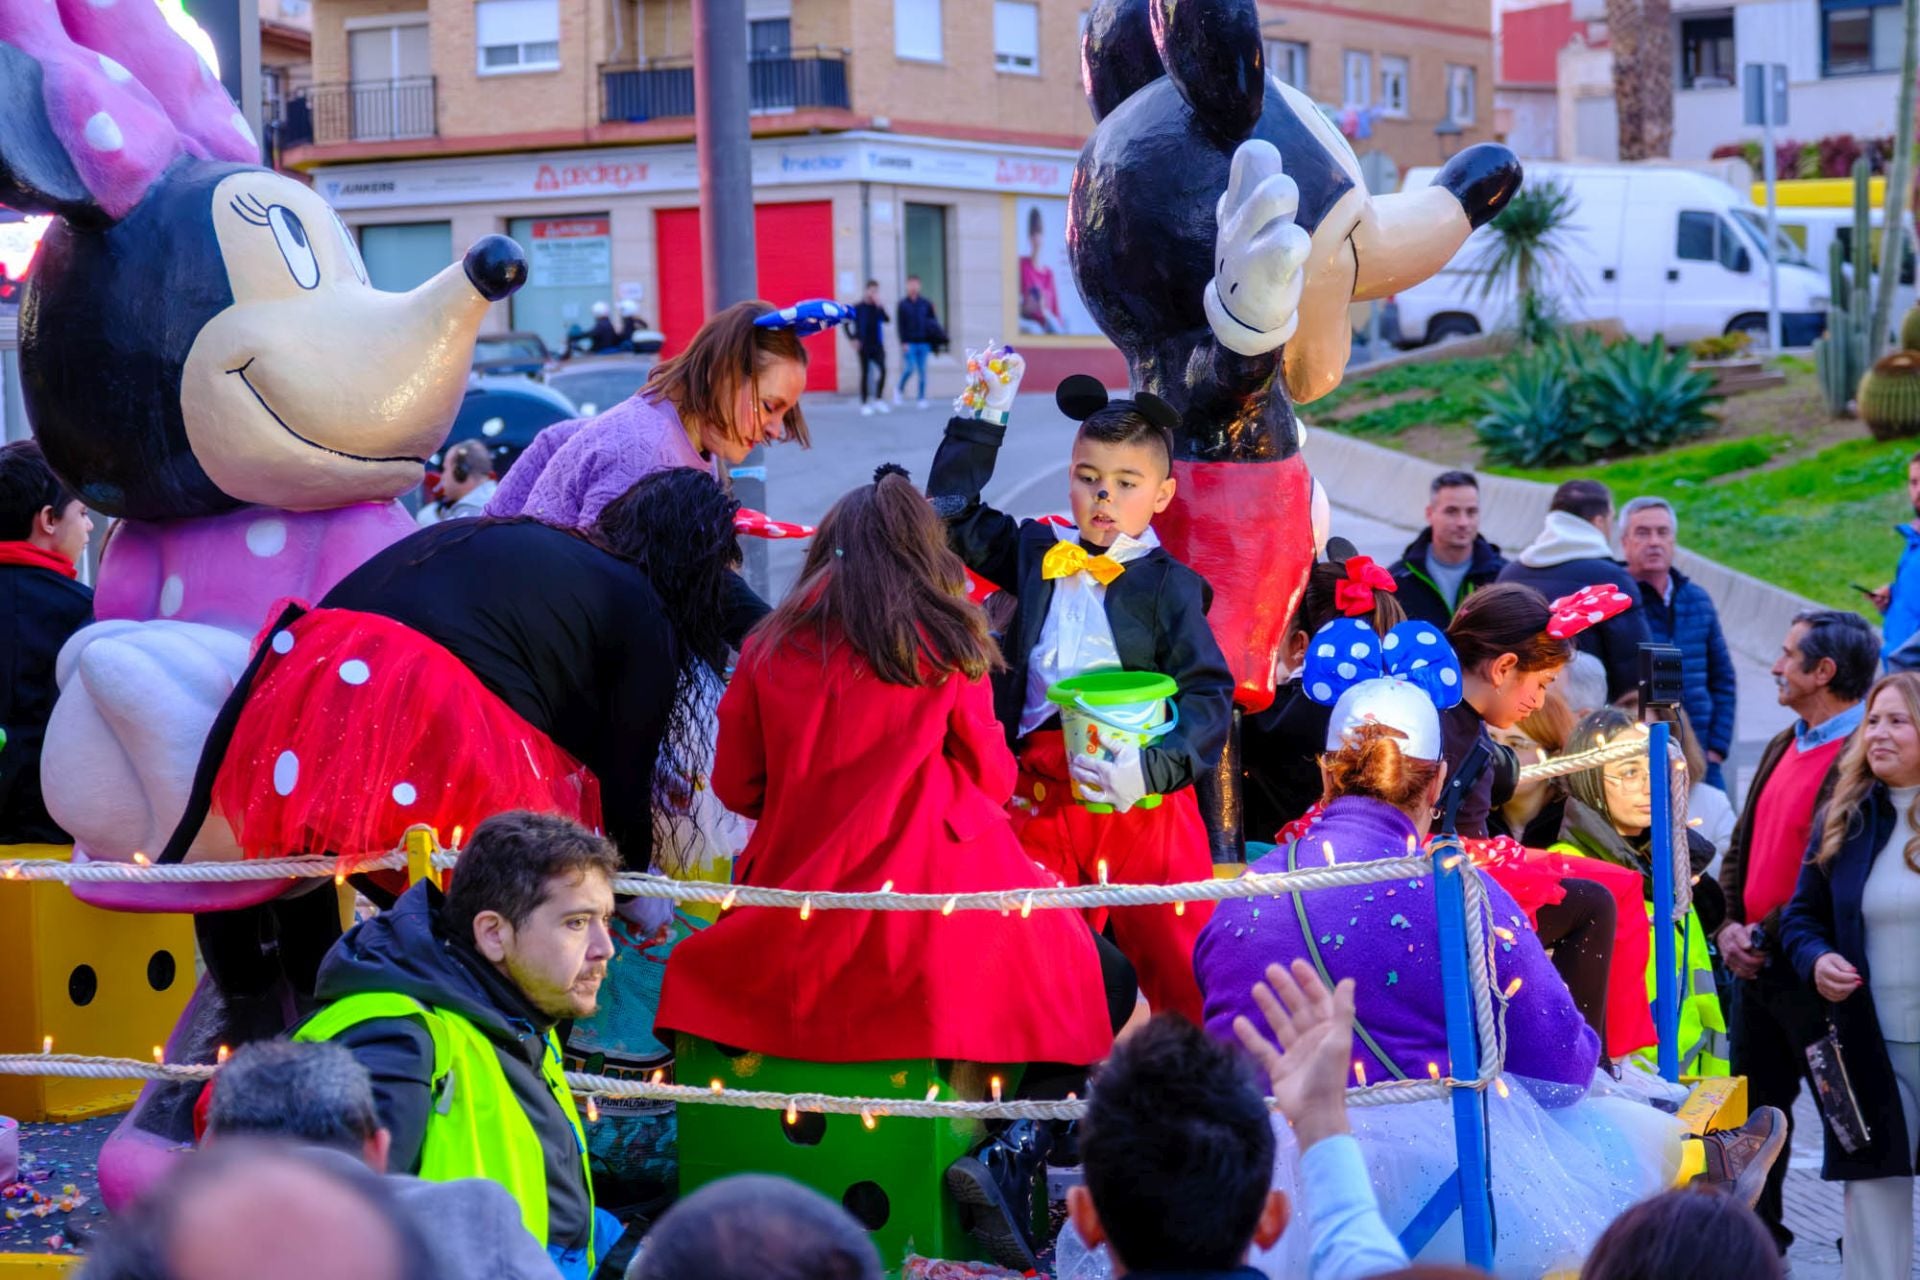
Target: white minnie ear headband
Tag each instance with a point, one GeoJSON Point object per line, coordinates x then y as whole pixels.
{"type": "Point", "coordinates": [1402, 681]}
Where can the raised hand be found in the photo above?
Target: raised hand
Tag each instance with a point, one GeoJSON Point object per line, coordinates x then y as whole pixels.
{"type": "Point", "coordinates": [993, 380]}
{"type": "Point", "coordinates": [1253, 300]}
{"type": "Point", "coordinates": [1311, 1050]}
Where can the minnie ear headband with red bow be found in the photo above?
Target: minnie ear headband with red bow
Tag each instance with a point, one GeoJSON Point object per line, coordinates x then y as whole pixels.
{"type": "Point", "coordinates": [1587, 607]}
{"type": "Point", "coordinates": [1353, 594]}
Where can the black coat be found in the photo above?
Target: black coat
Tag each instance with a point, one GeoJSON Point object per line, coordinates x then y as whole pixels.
{"type": "Point", "coordinates": [918, 323]}
{"type": "Point", "coordinates": [1616, 642]}
{"type": "Point", "coordinates": [1157, 609]}
{"type": "Point", "coordinates": [1825, 916]}
{"type": "Point", "coordinates": [1414, 587]}
{"type": "Point", "coordinates": [1281, 748]}
{"type": "Point", "coordinates": [39, 610]}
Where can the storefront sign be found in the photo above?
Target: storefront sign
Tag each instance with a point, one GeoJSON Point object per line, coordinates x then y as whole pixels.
{"type": "Point", "coordinates": [571, 252]}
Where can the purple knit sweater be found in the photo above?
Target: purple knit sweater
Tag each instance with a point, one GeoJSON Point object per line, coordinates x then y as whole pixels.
{"type": "Point", "coordinates": [1384, 936]}
{"type": "Point", "coordinates": [573, 469]}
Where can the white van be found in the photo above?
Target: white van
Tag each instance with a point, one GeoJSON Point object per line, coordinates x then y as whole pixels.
{"type": "Point", "coordinates": [1666, 251]}
{"type": "Point", "coordinates": [1813, 228]}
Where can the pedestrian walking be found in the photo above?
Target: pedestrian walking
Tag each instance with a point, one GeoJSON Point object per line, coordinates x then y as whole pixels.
{"type": "Point", "coordinates": [920, 333]}
{"type": "Point", "coordinates": [869, 334]}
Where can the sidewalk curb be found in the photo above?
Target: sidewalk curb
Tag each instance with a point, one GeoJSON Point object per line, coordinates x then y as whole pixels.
{"type": "Point", "coordinates": [1754, 614]}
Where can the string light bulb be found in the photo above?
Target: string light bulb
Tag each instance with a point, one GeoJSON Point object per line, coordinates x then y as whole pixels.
{"type": "Point", "coordinates": [1500, 1086]}
{"type": "Point", "coordinates": [593, 1111]}
{"type": "Point", "coordinates": [1326, 847]}
{"type": "Point", "coordinates": [887, 887]}
{"type": "Point", "coordinates": [339, 879]}
{"type": "Point", "coordinates": [866, 1118]}
{"type": "Point", "coordinates": [1103, 871]}
{"type": "Point", "coordinates": [994, 1084]}
{"type": "Point", "coordinates": [1433, 1070]}
{"type": "Point", "coordinates": [717, 1087]}
{"type": "Point", "coordinates": [951, 904]}
{"type": "Point", "coordinates": [1026, 908]}
{"type": "Point", "coordinates": [46, 1044]}
{"type": "Point", "coordinates": [1360, 1072]}
{"type": "Point", "coordinates": [457, 832]}
{"type": "Point", "coordinates": [806, 908]}
{"type": "Point", "coordinates": [660, 1076]}
{"type": "Point", "coordinates": [159, 1058]}
{"type": "Point", "coordinates": [1503, 933]}
{"type": "Point", "coordinates": [726, 903]}
{"type": "Point", "coordinates": [221, 1055]}
{"type": "Point", "coordinates": [793, 1114]}
{"type": "Point", "coordinates": [141, 858]}
{"type": "Point", "coordinates": [1512, 987]}
{"type": "Point", "coordinates": [933, 1092]}
{"type": "Point", "coordinates": [1179, 908]}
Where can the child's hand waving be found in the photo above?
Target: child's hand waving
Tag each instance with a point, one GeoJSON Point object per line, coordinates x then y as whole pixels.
{"type": "Point", "coordinates": [1308, 1065]}
{"type": "Point", "coordinates": [993, 379]}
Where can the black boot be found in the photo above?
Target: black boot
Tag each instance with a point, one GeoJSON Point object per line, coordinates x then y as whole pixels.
{"type": "Point", "coordinates": [994, 1189]}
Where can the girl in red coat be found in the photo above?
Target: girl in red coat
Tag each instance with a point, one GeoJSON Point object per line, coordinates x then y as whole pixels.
{"type": "Point", "coordinates": [859, 731]}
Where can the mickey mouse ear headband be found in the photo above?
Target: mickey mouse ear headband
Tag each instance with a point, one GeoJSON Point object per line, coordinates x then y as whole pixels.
{"type": "Point", "coordinates": [806, 318]}
{"type": "Point", "coordinates": [1081, 395]}
{"type": "Point", "coordinates": [1587, 607]}
{"type": "Point", "coordinates": [1401, 681]}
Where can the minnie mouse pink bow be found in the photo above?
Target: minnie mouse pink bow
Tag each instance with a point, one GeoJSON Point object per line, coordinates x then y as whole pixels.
{"type": "Point", "coordinates": [1587, 607]}
{"type": "Point", "coordinates": [757, 524]}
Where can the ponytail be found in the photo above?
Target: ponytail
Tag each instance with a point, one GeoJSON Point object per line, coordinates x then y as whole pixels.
{"type": "Point", "coordinates": [1371, 763]}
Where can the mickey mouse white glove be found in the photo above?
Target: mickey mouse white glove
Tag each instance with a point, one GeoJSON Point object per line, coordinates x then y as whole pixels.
{"type": "Point", "coordinates": [1253, 300]}
{"type": "Point", "coordinates": [993, 380]}
{"type": "Point", "coordinates": [1120, 782]}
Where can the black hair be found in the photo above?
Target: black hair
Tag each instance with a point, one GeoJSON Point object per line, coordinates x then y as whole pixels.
{"type": "Point", "coordinates": [1177, 1150]}
{"type": "Point", "coordinates": [1145, 419]}
{"type": "Point", "coordinates": [1453, 480]}
{"type": "Point", "coordinates": [512, 858]}
{"type": "Point", "coordinates": [317, 1093]}
{"type": "Point", "coordinates": [754, 1226]}
{"type": "Point", "coordinates": [28, 487]}
{"type": "Point", "coordinates": [1584, 498]}
{"type": "Point", "coordinates": [1849, 640]}
{"type": "Point", "coordinates": [1696, 1232]}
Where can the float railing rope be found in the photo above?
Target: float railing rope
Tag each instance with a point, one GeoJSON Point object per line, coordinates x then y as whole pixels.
{"type": "Point", "coordinates": [1561, 766]}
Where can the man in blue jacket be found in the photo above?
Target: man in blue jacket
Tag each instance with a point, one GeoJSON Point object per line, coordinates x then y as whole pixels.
{"type": "Point", "coordinates": [1681, 613]}
{"type": "Point", "coordinates": [1899, 600]}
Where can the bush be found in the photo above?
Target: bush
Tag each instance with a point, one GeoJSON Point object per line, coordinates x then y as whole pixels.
{"type": "Point", "coordinates": [1578, 399]}
{"type": "Point", "coordinates": [1721, 346]}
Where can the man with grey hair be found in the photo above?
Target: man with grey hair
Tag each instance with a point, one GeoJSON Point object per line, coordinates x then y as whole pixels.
{"type": "Point", "coordinates": [1583, 685]}
{"type": "Point", "coordinates": [756, 1227]}
{"type": "Point", "coordinates": [1681, 613]}
{"type": "Point", "coordinates": [320, 1096]}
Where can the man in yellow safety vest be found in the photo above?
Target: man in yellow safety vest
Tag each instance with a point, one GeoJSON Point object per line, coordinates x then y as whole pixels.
{"type": "Point", "coordinates": [450, 1003]}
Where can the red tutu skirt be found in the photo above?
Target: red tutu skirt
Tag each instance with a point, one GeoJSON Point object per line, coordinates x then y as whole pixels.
{"type": "Point", "coordinates": [357, 727]}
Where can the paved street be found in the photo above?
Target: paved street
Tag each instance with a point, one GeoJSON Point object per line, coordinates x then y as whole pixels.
{"type": "Point", "coordinates": [802, 484]}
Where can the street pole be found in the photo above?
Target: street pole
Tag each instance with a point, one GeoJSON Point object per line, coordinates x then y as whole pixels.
{"type": "Point", "coordinates": [1763, 89]}
{"type": "Point", "coordinates": [723, 140]}
{"type": "Point", "coordinates": [1770, 165]}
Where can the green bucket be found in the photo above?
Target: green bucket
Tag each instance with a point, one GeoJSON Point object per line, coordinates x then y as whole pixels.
{"type": "Point", "coordinates": [1124, 706]}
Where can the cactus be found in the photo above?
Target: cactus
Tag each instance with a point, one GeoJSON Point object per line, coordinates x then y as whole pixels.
{"type": "Point", "coordinates": [1910, 330]}
{"type": "Point", "coordinates": [1842, 356]}
{"type": "Point", "coordinates": [1890, 396]}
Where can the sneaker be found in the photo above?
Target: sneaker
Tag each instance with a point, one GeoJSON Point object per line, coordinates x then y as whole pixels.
{"type": "Point", "coordinates": [1738, 1160]}
{"type": "Point", "coordinates": [994, 1189]}
{"type": "Point", "coordinates": [881, 406]}
{"type": "Point", "coordinates": [896, 396]}
{"type": "Point", "coordinates": [866, 409]}
{"type": "Point", "coordinates": [923, 402]}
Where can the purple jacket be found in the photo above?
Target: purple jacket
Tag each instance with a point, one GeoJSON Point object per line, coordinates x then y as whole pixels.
{"type": "Point", "coordinates": [1384, 936]}
{"type": "Point", "coordinates": [573, 469]}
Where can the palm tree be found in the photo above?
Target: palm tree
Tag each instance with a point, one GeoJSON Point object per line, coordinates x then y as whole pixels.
{"type": "Point", "coordinates": [1529, 247]}
{"type": "Point", "coordinates": [1640, 34]}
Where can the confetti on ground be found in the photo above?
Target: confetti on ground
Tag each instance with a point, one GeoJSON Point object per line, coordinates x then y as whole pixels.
{"type": "Point", "coordinates": [55, 1204]}
{"type": "Point", "coordinates": [1393, 977]}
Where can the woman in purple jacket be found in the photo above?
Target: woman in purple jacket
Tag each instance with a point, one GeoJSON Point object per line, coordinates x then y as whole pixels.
{"type": "Point", "coordinates": [1566, 1159]}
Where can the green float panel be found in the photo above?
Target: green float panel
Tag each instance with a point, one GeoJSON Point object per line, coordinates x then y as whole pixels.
{"type": "Point", "coordinates": [891, 1177]}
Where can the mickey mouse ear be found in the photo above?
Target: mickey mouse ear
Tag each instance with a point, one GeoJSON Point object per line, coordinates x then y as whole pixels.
{"type": "Point", "coordinates": [1157, 411]}
{"type": "Point", "coordinates": [1080, 396]}
{"type": "Point", "coordinates": [1339, 551]}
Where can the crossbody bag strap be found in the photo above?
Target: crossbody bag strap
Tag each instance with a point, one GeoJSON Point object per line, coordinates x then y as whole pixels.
{"type": "Point", "coordinates": [1320, 967]}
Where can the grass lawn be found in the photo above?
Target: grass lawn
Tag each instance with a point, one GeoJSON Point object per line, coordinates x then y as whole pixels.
{"type": "Point", "coordinates": [1778, 490]}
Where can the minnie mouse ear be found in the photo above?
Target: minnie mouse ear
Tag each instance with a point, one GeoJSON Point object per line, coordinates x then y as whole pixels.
{"type": "Point", "coordinates": [1339, 551]}
{"type": "Point", "coordinates": [1080, 396]}
{"type": "Point", "coordinates": [1157, 411]}
{"type": "Point", "coordinates": [806, 318]}
{"type": "Point", "coordinates": [1587, 607]}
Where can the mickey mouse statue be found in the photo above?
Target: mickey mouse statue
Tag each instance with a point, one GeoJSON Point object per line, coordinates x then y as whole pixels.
{"type": "Point", "coordinates": [203, 356]}
{"type": "Point", "coordinates": [1219, 229]}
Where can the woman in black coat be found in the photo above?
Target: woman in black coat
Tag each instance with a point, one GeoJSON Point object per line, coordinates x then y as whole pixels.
{"type": "Point", "coordinates": [1853, 931]}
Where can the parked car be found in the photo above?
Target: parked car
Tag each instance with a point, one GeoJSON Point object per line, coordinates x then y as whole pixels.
{"type": "Point", "coordinates": [1666, 251]}
{"type": "Point", "coordinates": [595, 383]}
{"type": "Point", "coordinates": [1814, 228]}
{"type": "Point", "coordinates": [524, 354]}
{"type": "Point", "coordinates": [505, 411]}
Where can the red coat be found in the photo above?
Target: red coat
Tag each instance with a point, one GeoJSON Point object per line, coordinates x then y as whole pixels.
{"type": "Point", "coordinates": [856, 782]}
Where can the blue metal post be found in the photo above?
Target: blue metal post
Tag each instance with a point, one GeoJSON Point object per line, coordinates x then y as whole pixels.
{"type": "Point", "coordinates": [1666, 994]}
{"type": "Point", "coordinates": [1463, 1053]}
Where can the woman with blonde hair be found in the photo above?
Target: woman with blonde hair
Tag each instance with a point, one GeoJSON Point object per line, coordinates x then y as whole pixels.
{"type": "Point", "coordinates": [1853, 931]}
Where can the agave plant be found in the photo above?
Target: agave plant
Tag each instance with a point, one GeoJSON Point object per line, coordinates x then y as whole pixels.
{"type": "Point", "coordinates": [1528, 247]}
{"type": "Point", "coordinates": [1639, 396]}
{"type": "Point", "coordinates": [1530, 418]}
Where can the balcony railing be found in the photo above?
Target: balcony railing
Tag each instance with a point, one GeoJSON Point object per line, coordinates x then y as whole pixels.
{"type": "Point", "coordinates": [363, 111]}
{"type": "Point", "coordinates": [662, 88]}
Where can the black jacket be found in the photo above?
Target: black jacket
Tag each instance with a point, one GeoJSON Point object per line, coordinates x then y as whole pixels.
{"type": "Point", "coordinates": [1416, 591]}
{"type": "Point", "coordinates": [405, 950]}
{"type": "Point", "coordinates": [1281, 748]}
{"type": "Point", "coordinates": [868, 327]}
{"type": "Point", "coordinates": [39, 610]}
{"type": "Point", "coordinates": [918, 323]}
{"type": "Point", "coordinates": [1616, 642]}
{"type": "Point", "coordinates": [1825, 915]}
{"type": "Point", "coordinates": [1157, 609]}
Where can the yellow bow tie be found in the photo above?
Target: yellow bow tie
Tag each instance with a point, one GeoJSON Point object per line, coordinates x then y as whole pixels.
{"type": "Point", "coordinates": [1068, 558]}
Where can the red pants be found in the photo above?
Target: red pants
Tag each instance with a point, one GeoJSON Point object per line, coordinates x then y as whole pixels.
{"type": "Point", "coordinates": [1164, 845]}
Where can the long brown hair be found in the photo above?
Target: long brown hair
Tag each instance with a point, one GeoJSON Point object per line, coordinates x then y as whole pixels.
{"type": "Point", "coordinates": [703, 382]}
{"type": "Point", "coordinates": [1372, 763]}
{"type": "Point", "coordinates": [1853, 779]}
{"type": "Point", "coordinates": [880, 578]}
{"type": "Point", "coordinates": [1507, 617]}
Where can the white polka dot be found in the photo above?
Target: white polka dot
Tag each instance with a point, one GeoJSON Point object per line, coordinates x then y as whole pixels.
{"type": "Point", "coordinates": [267, 537]}
{"type": "Point", "coordinates": [102, 133]}
{"type": "Point", "coordinates": [241, 127]}
{"type": "Point", "coordinates": [789, 313]}
{"type": "Point", "coordinates": [101, 4]}
{"type": "Point", "coordinates": [1596, 616]}
{"type": "Point", "coordinates": [1426, 637]}
{"type": "Point", "coordinates": [1322, 691]}
{"type": "Point", "coordinates": [1325, 651]}
{"type": "Point", "coordinates": [1419, 663]}
{"type": "Point", "coordinates": [1391, 642]}
{"type": "Point", "coordinates": [404, 794]}
{"type": "Point", "coordinates": [1448, 678]}
{"type": "Point", "coordinates": [493, 427]}
{"type": "Point", "coordinates": [283, 642]}
{"type": "Point", "coordinates": [1358, 649]}
{"type": "Point", "coordinates": [114, 71]}
{"type": "Point", "coordinates": [1347, 670]}
{"type": "Point", "coordinates": [354, 671]}
{"type": "Point", "coordinates": [774, 531]}
{"type": "Point", "coordinates": [173, 592]}
{"type": "Point", "coordinates": [286, 773]}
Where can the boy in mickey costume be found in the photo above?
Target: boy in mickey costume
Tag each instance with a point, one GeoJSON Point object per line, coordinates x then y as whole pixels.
{"type": "Point", "coordinates": [1101, 595]}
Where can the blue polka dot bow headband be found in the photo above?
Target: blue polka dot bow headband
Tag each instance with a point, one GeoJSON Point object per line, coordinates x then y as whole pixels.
{"type": "Point", "coordinates": [1346, 652]}
{"type": "Point", "coordinates": [806, 318]}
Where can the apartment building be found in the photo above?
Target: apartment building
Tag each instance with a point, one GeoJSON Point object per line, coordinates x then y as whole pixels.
{"type": "Point", "coordinates": [932, 137]}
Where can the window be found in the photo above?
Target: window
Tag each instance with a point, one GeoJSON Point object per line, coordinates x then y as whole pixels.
{"type": "Point", "coordinates": [769, 38]}
{"type": "Point", "coordinates": [1359, 80]}
{"type": "Point", "coordinates": [1393, 86]}
{"type": "Point", "coordinates": [927, 253]}
{"type": "Point", "coordinates": [1016, 36]}
{"type": "Point", "coordinates": [1701, 237]}
{"type": "Point", "coordinates": [916, 30]}
{"type": "Point", "coordinates": [517, 35]}
{"type": "Point", "coordinates": [1860, 36]}
{"type": "Point", "coordinates": [402, 256]}
{"type": "Point", "coordinates": [1463, 94]}
{"type": "Point", "coordinates": [1287, 62]}
{"type": "Point", "coordinates": [1706, 53]}
{"type": "Point", "coordinates": [391, 69]}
